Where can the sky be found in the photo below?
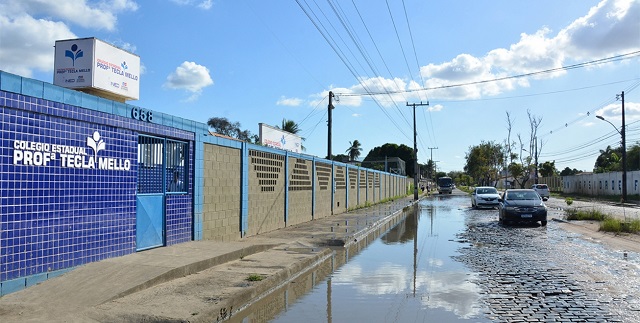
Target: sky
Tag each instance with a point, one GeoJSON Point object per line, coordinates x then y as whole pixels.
{"type": "Point", "coordinates": [250, 61]}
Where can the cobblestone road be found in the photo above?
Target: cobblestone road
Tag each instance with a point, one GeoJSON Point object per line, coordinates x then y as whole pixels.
{"type": "Point", "coordinates": [545, 274]}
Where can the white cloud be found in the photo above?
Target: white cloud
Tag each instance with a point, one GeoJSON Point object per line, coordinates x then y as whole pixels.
{"type": "Point", "coordinates": [356, 115]}
{"type": "Point", "coordinates": [101, 15]}
{"type": "Point", "coordinates": [205, 4]}
{"type": "Point", "coordinates": [27, 44]}
{"type": "Point", "coordinates": [190, 77]}
{"type": "Point", "coordinates": [607, 29]}
{"type": "Point", "coordinates": [613, 112]}
{"type": "Point", "coordinates": [341, 97]}
{"type": "Point", "coordinates": [292, 102]}
{"type": "Point", "coordinates": [435, 108]}
{"type": "Point", "coordinates": [30, 28]}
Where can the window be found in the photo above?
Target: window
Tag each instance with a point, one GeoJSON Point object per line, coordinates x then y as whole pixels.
{"type": "Point", "coordinates": [162, 165]}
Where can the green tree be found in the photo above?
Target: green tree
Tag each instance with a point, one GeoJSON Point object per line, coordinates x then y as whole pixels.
{"type": "Point", "coordinates": [568, 171]}
{"type": "Point", "coordinates": [340, 158]}
{"type": "Point", "coordinates": [354, 150]}
{"type": "Point", "coordinates": [548, 169]}
{"type": "Point", "coordinates": [232, 129]}
{"type": "Point", "coordinates": [291, 126]}
{"type": "Point", "coordinates": [484, 162]}
{"type": "Point", "coordinates": [608, 160]}
{"type": "Point", "coordinates": [375, 157]}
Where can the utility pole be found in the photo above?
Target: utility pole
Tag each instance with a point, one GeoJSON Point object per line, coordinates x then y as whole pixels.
{"type": "Point", "coordinates": [431, 159]}
{"type": "Point", "coordinates": [415, 149]}
{"type": "Point", "coordinates": [624, 155]}
{"type": "Point", "coordinates": [535, 141]}
{"type": "Point", "coordinates": [331, 107]}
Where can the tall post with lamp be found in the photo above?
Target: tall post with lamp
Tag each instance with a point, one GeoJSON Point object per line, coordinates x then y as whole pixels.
{"type": "Point", "coordinates": [624, 148]}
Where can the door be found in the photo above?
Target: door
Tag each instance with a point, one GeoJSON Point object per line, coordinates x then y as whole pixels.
{"type": "Point", "coordinates": [150, 197]}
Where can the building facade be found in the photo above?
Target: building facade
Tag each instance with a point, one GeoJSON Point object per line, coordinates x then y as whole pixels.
{"type": "Point", "coordinates": [83, 178]}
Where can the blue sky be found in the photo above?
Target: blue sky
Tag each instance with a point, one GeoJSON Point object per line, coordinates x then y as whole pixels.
{"type": "Point", "coordinates": [262, 61]}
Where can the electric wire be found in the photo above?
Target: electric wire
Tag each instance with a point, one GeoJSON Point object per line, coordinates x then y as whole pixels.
{"type": "Point", "coordinates": [553, 70]}
{"type": "Point", "coordinates": [331, 42]}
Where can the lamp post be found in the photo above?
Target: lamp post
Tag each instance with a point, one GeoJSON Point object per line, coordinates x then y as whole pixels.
{"type": "Point", "coordinates": [624, 151]}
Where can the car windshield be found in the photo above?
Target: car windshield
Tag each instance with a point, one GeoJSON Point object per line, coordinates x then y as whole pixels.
{"type": "Point", "coordinates": [487, 190]}
{"type": "Point", "coordinates": [522, 196]}
{"type": "Point", "coordinates": [542, 186]}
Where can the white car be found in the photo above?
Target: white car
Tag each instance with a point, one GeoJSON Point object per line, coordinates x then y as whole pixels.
{"type": "Point", "coordinates": [542, 190]}
{"type": "Point", "coordinates": [484, 196]}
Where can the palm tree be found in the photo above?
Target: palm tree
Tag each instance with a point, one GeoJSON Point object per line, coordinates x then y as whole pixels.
{"type": "Point", "coordinates": [354, 150]}
{"type": "Point", "coordinates": [292, 127]}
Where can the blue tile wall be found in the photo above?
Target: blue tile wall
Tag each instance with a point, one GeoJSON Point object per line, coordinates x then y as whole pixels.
{"type": "Point", "coordinates": [60, 212]}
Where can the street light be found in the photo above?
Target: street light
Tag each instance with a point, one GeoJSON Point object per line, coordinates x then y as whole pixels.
{"type": "Point", "coordinates": [624, 152]}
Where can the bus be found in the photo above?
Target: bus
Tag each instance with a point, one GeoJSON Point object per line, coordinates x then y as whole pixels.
{"type": "Point", "coordinates": [445, 185]}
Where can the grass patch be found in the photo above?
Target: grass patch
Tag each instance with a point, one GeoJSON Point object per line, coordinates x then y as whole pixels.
{"type": "Point", "coordinates": [255, 278]}
{"type": "Point", "coordinates": [575, 214]}
{"type": "Point", "coordinates": [615, 225]}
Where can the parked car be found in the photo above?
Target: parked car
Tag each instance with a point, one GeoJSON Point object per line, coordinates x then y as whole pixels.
{"type": "Point", "coordinates": [542, 190]}
{"type": "Point", "coordinates": [521, 205]}
{"type": "Point", "coordinates": [484, 196]}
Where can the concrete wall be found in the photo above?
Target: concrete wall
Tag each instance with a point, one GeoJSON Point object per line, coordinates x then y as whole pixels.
{"type": "Point", "coordinates": [601, 183]}
{"type": "Point", "coordinates": [353, 187]}
{"type": "Point", "coordinates": [340, 195]}
{"type": "Point", "coordinates": [222, 193]}
{"type": "Point", "coordinates": [323, 190]}
{"type": "Point", "coordinates": [300, 206]}
{"type": "Point", "coordinates": [266, 189]}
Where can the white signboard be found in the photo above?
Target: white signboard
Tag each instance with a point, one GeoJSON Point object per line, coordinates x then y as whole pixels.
{"type": "Point", "coordinates": [89, 63]}
{"type": "Point", "coordinates": [276, 138]}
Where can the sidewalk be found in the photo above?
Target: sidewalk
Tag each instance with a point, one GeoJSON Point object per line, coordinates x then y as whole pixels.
{"type": "Point", "coordinates": [75, 296]}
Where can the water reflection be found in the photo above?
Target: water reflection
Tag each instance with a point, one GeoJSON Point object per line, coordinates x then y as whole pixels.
{"type": "Point", "coordinates": [408, 274]}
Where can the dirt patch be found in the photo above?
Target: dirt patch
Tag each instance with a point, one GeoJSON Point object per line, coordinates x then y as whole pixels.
{"type": "Point", "coordinates": [590, 230]}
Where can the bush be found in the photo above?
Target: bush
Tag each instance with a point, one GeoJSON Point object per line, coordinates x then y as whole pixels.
{"type": "Point", "coordinates": [611, 225]}
{"type": "Point", "coordinates": [575, 214]}
{"type": "Point", "coordinates": [615, 225]}
{"type": "Point", "coordinates": [569, 201]}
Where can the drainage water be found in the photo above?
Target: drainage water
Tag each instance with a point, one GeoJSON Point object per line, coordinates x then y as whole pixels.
{"type": "Point", "coordinates": [405, 275]}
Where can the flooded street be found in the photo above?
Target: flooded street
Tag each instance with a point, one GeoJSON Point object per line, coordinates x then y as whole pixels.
{"type": "Point", "coordinates": [447, 262]}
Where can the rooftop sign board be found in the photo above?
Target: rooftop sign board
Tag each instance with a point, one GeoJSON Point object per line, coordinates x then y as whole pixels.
{"type": "Point", "coordinates": [276, 138]}
{"type": "Point", "coordinates": [92, 64]}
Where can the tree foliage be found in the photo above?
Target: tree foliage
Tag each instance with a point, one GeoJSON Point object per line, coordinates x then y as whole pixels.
{"type": "Point", "coordinates": [378, 154]}
{"type": "Point", "coordinates": [548, 169]}
{"type": "Point", "coordinates": [232, 129]}
{"type": "Point", "coordinates": [354, 150]}
{"type": "Point", "coordinates": [484, 162]}
{"type": "Point", "coordinates": [610, 159]}
{"type": "Point", "coordinates": [568, 172]}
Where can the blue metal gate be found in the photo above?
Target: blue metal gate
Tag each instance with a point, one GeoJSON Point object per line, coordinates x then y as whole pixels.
{"type": "Point", "coordinates": [150, 193]}
{"type": "Point", "coordinates": [162, 170]}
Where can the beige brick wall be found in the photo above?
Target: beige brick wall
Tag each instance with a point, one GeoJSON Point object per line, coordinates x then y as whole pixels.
{"type": "Point", "coordinates": [340, 197]}
{"type": "Point", "coordinates": [221, 193]}
{"type": "Point", "coordinates": [371, 198]}
{"type": "Point", "coordinates": [363, 188]}
{"type": "Point", "coordinates": [266, 192]}
{"type": "Point", "coordinates": [383, 186]}
{"type": "Point", "coordinates": [323, 190]}
{"type": "Point", "coordinates": [353, 188]}
{"type": "Point", "coordinates": [300, 190]}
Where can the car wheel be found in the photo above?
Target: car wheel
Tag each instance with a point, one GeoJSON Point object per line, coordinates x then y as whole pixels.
{"type": "Point", "coordinates": [543, 223]}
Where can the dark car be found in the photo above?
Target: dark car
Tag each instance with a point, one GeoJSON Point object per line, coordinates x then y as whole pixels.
{"type": "Point", "coordinates": [521, 205]}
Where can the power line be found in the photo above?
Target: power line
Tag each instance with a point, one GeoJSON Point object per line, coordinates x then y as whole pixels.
{"type": "Point", "coordinates": [553, 70]}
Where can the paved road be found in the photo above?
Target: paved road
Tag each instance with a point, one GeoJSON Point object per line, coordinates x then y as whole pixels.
{"type": "Point", "coordinates": [546, 274]}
